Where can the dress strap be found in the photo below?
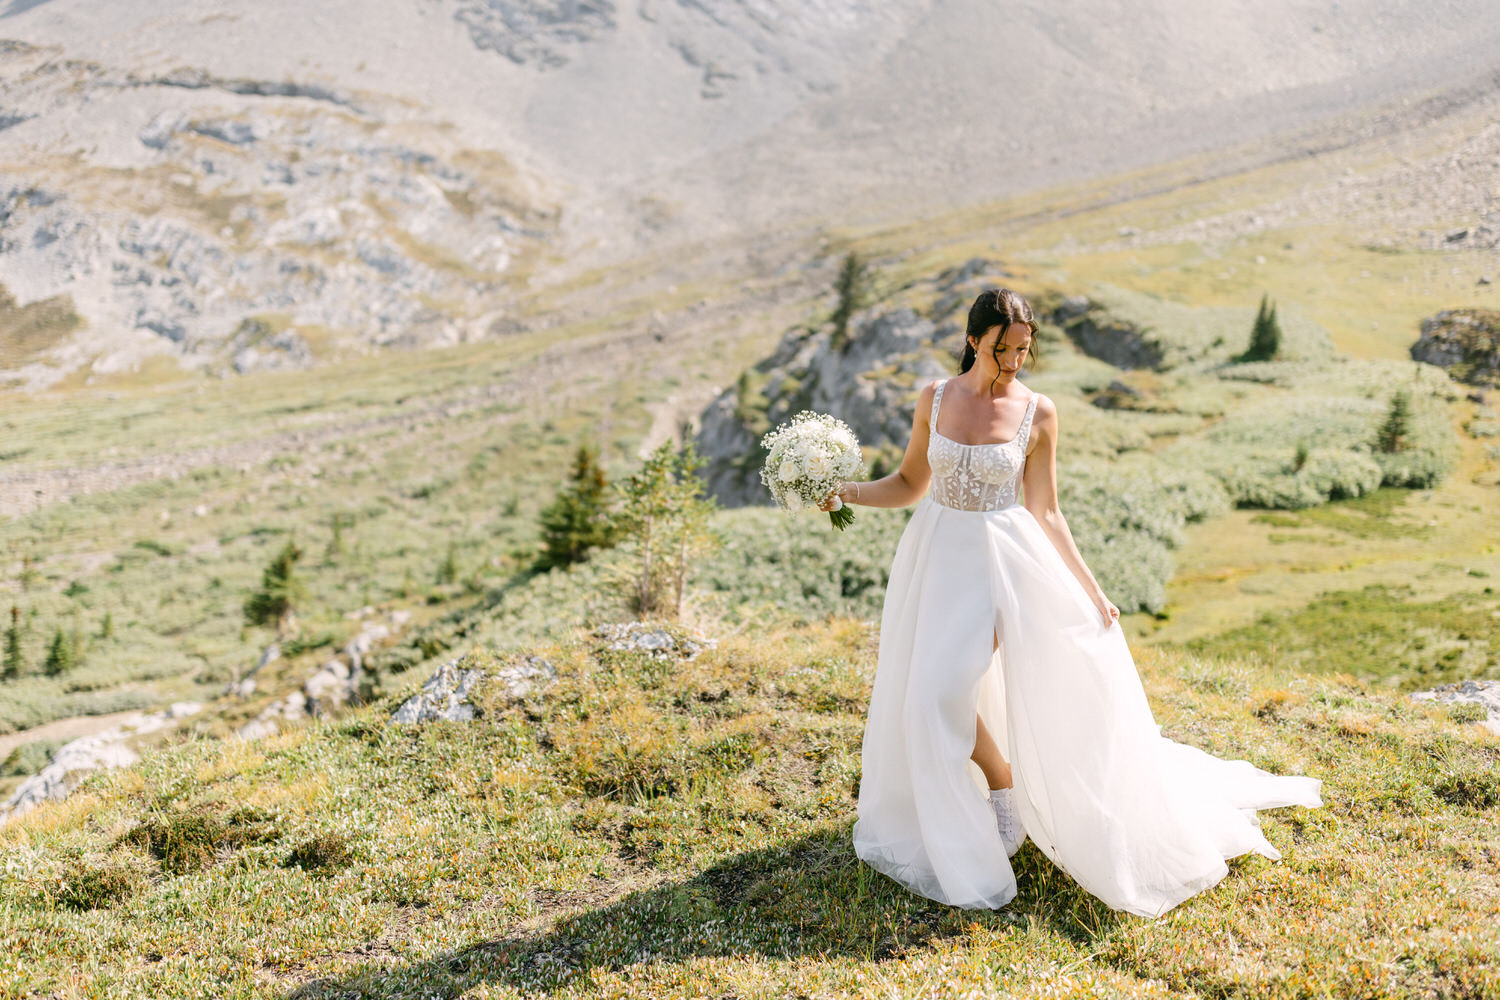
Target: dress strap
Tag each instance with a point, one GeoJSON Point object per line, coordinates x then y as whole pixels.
{"type": "Point", "coordinates": [937, 400]}
{"type": "Point", "coordinates": [1024, 435]}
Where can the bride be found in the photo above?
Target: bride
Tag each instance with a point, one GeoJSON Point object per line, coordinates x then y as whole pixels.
{"type": "Point", "coordinates": [997, 646]}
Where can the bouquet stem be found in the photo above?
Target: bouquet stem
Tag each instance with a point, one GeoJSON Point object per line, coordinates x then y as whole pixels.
{"type": "Point", "coordinates": [841, 518]}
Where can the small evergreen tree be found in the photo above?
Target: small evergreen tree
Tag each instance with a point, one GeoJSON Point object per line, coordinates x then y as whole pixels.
{"type": "Point", "coordinates": [664, 512]}
{"type": "Point", "coordinates": [578, 519]}
{"type": "Point", "coordinates": [61, 655]}
{"type": "Point", "coordinates": [448, 569]}
{"type": "Point", "coordinates": [14, 663]}
{"type": "Point", "coordinates": [1395, 433]}
{"type": "Point", "coordinates": [853, 290]}
{"type": "Point", "coordinates": [281, 590]}
{"type": "Point", "coordinates": [1265, 335]}
{"type": "Point", "coordinates": [336, 537]}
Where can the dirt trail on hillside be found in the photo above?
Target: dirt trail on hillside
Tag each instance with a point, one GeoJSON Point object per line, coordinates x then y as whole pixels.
{"type": "Point", "coordinates": [64, 729]}
{"type": "Point", "coordinates": [1418, 186]}
{"type": "Point", "coordinates": [540, 383]}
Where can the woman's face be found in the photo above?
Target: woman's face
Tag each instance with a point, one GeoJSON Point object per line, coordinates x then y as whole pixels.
{"type": "Point", "coordinates": [1008, 346]}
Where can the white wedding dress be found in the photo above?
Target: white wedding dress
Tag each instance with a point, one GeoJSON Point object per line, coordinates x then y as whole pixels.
{"type": "Point", "coordinates": [1138, 820]}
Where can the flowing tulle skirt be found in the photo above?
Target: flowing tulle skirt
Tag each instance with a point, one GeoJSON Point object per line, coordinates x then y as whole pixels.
{"type": "Point", "coordinates": [1138, 820]}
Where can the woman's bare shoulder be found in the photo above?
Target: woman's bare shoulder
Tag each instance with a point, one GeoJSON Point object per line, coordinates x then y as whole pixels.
{"type": "Point", "coordinates": [924, 398]}
{"type": "Point", "coordinates": [1046, 410]}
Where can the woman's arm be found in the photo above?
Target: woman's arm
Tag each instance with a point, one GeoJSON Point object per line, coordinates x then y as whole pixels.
{"type": "Point", "coordinates": [1040, 484]}
{"type": "Point", "coordinates": [907, 484]}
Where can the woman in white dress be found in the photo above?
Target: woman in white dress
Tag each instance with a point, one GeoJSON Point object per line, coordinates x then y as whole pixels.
{"type": "Point", "coordinates": [996, 635]}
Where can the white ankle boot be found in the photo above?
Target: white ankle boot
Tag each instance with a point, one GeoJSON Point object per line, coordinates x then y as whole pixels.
{"type": "Point", "coordinates": [1007, 820]}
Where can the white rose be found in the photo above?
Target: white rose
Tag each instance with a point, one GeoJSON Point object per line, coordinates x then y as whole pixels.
{"type": "Point", "coordinates": [818, 466]}
{"type": "Point", "coordinates": [793, 502]}
{"type": "Point", "coordinates": [788, 470]}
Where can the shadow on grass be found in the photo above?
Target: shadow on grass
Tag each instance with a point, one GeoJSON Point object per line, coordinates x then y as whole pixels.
{"type": "Point", "coordinates": [809, 897]}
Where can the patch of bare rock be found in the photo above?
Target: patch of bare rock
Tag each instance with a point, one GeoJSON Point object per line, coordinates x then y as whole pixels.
{"type": "Point", "coordinates": [76, 760]}
{"type": "Point", "coordinates": [332, 686]}
{"type": "Point", "coordinates": [1485, 694]}
{"type": "Point", "coordinates": [448, 695]}
{"type": "Point", "coordinates": [1464, 341]}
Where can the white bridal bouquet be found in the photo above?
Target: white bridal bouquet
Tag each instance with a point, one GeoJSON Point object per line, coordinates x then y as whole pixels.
{"type": "Point", "coordinates": [807, 458]}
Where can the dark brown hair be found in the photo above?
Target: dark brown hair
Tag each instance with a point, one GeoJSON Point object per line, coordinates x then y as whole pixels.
{"type": "Point", "coordinates": [997, 307]}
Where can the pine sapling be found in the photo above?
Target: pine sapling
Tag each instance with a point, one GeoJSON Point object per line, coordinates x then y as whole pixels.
{"type": "Point", "coordinates": [281, 590]}
{"type": "Point", "coordinates": [1395, 433]}
{"type": "Point", "coordinates": [1265, 335]}
{"type": "Point", "coordinates": [14, 663]}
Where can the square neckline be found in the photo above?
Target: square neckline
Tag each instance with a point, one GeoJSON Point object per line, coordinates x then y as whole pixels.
{"type": "Point", "coordinates": [937, 404]}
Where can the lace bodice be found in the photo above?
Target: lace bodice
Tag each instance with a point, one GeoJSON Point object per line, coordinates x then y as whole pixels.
{"type": "Point", "coordinates": [976, 476]}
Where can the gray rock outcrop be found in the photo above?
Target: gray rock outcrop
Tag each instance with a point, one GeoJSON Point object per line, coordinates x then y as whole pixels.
{"type": "Point", "coordinates": [1100, 334]}
{"type": "Point", "coordinates": [74, 761]}
{"type": "Point", "coordinates": [445, 695]}
{"type": "Point", "coordinates": [1464, 341]}
{"type": "Point", "coordinates": [292, 708]}
{"type": "Point", "coordinates": [335, 684]}
{"type": "Point", "coordinates": [1485, 694]}
{"type": "Point", "coordinates": [660, 642]}
{"type": "Point", "coordinates": [869, 382]}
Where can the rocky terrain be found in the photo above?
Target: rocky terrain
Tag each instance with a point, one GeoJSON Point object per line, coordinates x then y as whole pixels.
{"type": "Point", "coordinates": [76, 759]}
{"type": "Point", "coordinates": [1464, 341]}
{"type": "Point", "coordinates": [894, 347]}
{"type": "Point", "coordinates": [251, 226]}
{"type": "Point", "coordinates": [867, 379]}
{"type": "Point", "coordinates": [1394, 203]}
{"type": "Point", "coordinates": [241, 188]}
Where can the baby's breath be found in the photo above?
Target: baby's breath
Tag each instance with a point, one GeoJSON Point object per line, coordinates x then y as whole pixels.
{"type": "Point", "coordinates": [807, 458]}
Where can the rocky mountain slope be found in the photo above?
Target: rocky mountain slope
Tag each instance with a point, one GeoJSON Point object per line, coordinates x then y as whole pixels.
{"type": "Point", "coordinates": [247, 186]}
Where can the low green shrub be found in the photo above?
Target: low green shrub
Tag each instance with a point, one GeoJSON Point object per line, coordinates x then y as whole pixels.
{"type": "Point", "coordinates": [1300, 450]}
{"type": "Point", "coordinates": [91, 881]}
{"type": "Point", "coordinates": [29, 758]}
{"type": "Point", "coordinates": [186, 837]}
{"type": "Point", "coordinates": [322, 853]}
{"type": "Point", "coordinates": [1477, 788]}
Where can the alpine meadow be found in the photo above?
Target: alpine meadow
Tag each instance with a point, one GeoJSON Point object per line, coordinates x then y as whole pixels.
{"type": "Point", "coordinates": [390, 602]}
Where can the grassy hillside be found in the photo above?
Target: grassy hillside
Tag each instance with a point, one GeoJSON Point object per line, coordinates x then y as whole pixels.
{"type": "Point", "coordinates": [664, 829]}
{"type": "Point", "coordinates": [682, 829]}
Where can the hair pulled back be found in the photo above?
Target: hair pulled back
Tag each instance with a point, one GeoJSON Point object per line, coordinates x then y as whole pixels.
{"type": "Point", "coordinates": [996, 307]}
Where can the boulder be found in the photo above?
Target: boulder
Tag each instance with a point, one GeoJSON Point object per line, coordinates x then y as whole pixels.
{"type": "Point", "coordinates": [445, 695]}
{"type": "Point", "coordinates": [292, 708]}
{"type": "Point", "coordinates": [1466, 342]}
{"type": "Point", "coordinates": [659, 641]}
{"type": "Point", "coordinates": [1486, 694]}
{"type": "Point", "coordinates": [869, 381]}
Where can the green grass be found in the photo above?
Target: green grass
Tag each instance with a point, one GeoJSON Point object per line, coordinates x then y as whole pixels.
{"type": "Point", "coordinates": [639, 830]}
{"type": "Point", "coordinates": [170, 561]}
{"type": "Point", "coordinates": [1378, 633]}
{"type": "Point", "coordinates": [29, 330]}
{"type": "Point", "coordinates": [1374, 515]}
{"type": "Point", "coordinates": [1178, 334]}
{"type": "Point", "coordinates": [642, 829]}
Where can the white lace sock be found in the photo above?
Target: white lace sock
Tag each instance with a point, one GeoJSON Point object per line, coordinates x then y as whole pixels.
{"type": "Point", "coordinates": [1007, 820]}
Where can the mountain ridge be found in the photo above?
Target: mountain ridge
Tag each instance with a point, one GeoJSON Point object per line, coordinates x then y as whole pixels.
{"type": "Point", "coordinates": [200, 182]}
